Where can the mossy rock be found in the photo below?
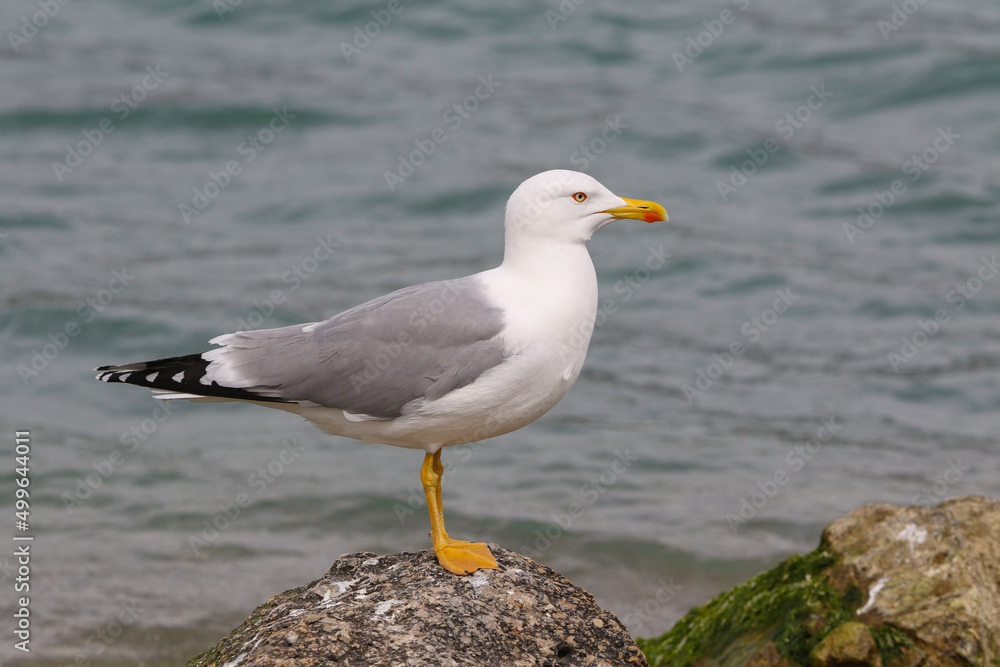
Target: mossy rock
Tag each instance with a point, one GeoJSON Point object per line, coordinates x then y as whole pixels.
{"type": "Point", "coordinates": [887, 587]}
{"type": "Point", "coordinates": [784, 613]}
{"type": "Point", "coordinates": [851, 643]}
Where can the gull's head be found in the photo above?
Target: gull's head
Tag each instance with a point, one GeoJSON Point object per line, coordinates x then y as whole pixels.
{"type": "Point", "coordinates": [563, 205]}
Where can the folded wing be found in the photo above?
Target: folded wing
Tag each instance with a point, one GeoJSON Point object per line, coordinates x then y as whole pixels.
{"type": "Point", "coordinates": [372, 361]}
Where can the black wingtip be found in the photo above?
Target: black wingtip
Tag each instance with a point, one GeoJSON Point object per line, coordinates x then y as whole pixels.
{"type": "Point", "coordinates": [189, 372]}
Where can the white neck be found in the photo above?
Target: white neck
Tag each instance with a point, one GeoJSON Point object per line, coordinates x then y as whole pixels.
{"type": "Point", "coordinates": [551, 285]}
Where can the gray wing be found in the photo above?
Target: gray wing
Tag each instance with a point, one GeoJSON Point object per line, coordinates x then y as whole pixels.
{"type": "Point", "coordinates": [419, 342]}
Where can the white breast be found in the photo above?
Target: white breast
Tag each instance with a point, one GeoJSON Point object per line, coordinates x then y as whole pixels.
{"type": "Point", "coordinates": [549, 310]}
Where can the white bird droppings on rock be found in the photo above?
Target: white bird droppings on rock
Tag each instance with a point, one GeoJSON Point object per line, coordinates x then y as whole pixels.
{"type": "Point", "coordinates": [383, 607]}
{"type": "Point", "coordinates": [411, 614]}
{"type": "Point", "coordinates": [879, 585]}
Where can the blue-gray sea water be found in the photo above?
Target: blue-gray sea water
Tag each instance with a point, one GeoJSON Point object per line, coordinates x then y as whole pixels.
{"type": "Point", "coordinates": [815, 328]}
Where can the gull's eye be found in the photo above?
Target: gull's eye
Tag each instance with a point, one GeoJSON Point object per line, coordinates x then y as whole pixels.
{"type": "Point", "coordinates": [580, 196]}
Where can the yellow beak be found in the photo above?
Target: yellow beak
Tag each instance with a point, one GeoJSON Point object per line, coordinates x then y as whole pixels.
{"type": "Point", "coordinates": [637, 209]}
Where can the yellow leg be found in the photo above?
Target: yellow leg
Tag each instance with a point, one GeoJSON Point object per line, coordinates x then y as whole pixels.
{"type": "Point", "coordinates": [456, 556]}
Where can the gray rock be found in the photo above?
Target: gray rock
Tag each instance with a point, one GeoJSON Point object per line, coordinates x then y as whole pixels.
{"type": "Point", "coordinates": [887, 587]}
{"type": "Point", "coordinates": [404, 609]}
{"type": "Point", "coordinates": [932, 573]}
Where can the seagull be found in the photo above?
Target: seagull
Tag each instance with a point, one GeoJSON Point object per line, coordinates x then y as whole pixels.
{"type": "Point", "coordinates": [437, 364]}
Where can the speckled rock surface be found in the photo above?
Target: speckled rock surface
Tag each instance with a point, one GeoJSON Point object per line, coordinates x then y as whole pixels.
{"type": "Point", "coordinates": [931, 572]}
{"type": "Point", "coordinates": [888, 586]}
{"type": "Point", "coordinates": [405, 610]}
{"type": "Point", "coordinates": [849, 644]}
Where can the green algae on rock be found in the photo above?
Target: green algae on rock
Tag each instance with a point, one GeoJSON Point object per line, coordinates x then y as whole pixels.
{"type": "Point", "coordinates": [887, 587]}
{"type": "Point", "coordinates": [781, 612]}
